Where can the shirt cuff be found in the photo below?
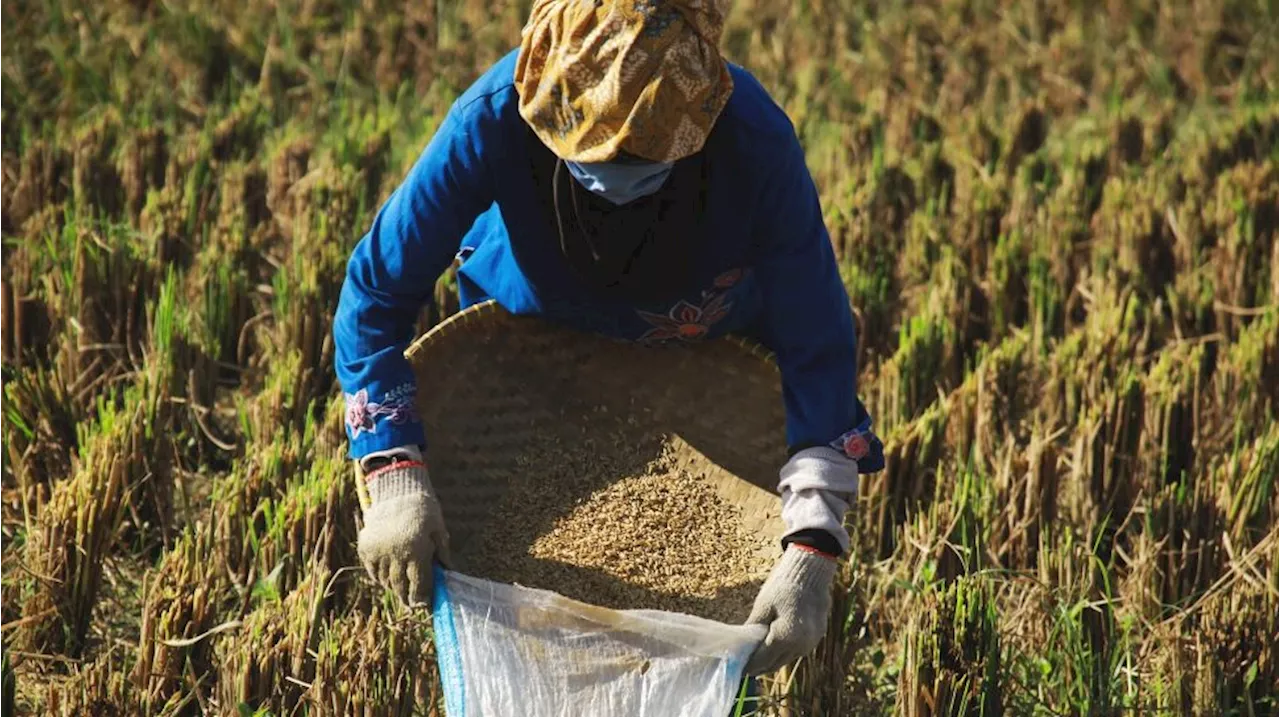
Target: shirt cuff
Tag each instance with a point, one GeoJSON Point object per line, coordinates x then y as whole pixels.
{"type": "Point", "coordinates": [817, 485]}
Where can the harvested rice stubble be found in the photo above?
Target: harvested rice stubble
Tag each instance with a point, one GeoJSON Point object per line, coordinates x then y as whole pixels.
{"type": "Point", "coordinates": [612, 520]}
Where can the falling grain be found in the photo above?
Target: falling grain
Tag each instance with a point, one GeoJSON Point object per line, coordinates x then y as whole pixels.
{"type": "Point", "coordinates": [654, 538]}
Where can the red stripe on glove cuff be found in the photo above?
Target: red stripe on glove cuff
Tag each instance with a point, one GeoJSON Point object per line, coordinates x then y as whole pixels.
{"type": "Point", "coordinates": [815, 551]}
{"type": "Point", "coordinates": [398, 464]}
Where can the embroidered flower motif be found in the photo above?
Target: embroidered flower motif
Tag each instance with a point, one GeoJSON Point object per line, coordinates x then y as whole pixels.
{"type": "Point", "coordinates": [359, 415]}
{"type": "Point", "coordinates": [854, 444]}
{"type": "Point", "coordinates": [729, 279]}
{"type": "Point", "coordinates": [398, 406]}
{"type": "Point", "coordinates": [398, 414]}
{"type": "Point", "coordinates": [685, 321]}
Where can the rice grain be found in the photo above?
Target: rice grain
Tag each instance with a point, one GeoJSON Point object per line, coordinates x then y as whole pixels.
{"type": "Point", "coordinates": [613, 529]}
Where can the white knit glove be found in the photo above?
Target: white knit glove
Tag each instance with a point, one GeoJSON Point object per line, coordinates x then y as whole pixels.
{"type": "Point", "coordinates": [404, 530]}
{"type": "Point", "coordinates": [794, 603]}
{"type": "Point", "coordinates": [816, 485]}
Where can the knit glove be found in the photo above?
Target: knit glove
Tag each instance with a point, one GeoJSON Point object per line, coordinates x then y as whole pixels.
{"type": "Point", "coordinates": [403, 530]}
{"type": "Point", "coordinates": [794, 603]}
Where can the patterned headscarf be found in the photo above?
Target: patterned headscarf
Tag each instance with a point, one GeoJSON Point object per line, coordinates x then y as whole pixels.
{"type": "Point", "coordinates": [597, 77]}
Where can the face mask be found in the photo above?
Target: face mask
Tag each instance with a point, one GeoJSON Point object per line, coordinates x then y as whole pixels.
{"type": "Point", "coordinates": [621, 182]}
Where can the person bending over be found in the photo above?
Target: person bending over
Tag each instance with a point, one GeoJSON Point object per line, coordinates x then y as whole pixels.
{"type": "Point", "coordinates": [615, 174]}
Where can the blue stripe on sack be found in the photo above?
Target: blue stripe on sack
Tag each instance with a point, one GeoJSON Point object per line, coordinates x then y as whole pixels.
{"type": "Point", "coordinates": [448, 654]}
{"type": "Point", "coordinates": [735, 667]}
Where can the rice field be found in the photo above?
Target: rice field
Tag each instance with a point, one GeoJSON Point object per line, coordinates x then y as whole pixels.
{"type": "Point", "coordinates": [1057, 220]}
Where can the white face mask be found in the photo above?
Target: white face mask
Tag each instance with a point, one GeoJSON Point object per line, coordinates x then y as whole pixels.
{"type": "Point", "coordinates": [621, 182]}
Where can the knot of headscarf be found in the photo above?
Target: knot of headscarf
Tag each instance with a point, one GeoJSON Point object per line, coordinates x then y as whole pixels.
{"type": "Point", "coordinates": [599, 77]}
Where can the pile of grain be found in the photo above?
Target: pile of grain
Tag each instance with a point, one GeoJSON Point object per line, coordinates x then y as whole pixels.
{"type": "Point", "coordinates": [617, 521]}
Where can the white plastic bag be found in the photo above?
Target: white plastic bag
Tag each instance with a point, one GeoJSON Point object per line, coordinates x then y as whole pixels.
{"type": "Point", "coordinates": [505, 650]}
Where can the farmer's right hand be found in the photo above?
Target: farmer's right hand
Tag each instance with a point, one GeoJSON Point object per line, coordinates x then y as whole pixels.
{"type": "Point", "coordinates": [403, 526]}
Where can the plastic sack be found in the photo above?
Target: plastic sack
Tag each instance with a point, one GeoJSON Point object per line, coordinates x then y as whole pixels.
{"type": "Point", "coordinates": [510, 650]}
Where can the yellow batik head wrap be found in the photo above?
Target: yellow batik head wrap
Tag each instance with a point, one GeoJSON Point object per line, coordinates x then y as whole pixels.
{"type": "Point", "coordinates": [599, 77]}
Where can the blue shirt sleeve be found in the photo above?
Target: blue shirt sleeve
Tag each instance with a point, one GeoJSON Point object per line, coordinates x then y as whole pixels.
{"type": "Point", "coordinates": [806, 319]}
{"type": "Point", "coordinates": [392, 274]}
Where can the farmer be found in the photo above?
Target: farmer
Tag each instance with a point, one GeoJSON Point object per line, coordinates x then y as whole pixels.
{"type": "Point", "coordinates": [616, 175]}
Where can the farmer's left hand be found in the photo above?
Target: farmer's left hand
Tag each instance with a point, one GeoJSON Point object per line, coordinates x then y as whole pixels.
{"type": "Point", "coordinates": [817, 484]}
{"type": "Point", "coordinates": [794, 603]}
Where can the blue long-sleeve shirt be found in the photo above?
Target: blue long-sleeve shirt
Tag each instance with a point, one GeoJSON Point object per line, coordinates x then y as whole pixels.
{"type": "Point", "coordinates": [766, 268]}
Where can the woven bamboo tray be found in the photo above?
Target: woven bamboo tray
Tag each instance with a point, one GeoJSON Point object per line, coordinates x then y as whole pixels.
{"type": "Point", "coordinates": [491, 384]}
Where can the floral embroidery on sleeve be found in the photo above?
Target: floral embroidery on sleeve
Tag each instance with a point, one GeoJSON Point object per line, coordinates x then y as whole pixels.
{"type": "Point", "coordinates": [855, 444]}
{"type": "Point", "coordinates": [397, 406]}
{"type": "Point", "coordinates": [729, 279]}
